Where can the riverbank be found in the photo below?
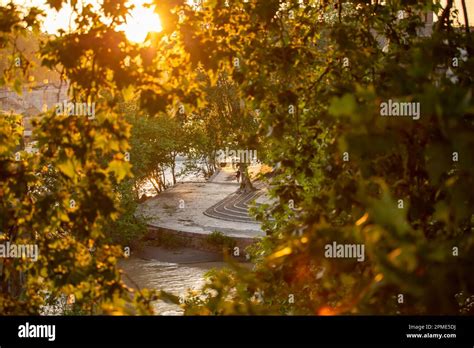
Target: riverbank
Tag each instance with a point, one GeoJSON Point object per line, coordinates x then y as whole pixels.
{"type": "Point", "coordinates": [185, 241]}
{"type": "Point", "coordinates": [176, 271]}
{"type": "Point", "coordinates": [182, 208]}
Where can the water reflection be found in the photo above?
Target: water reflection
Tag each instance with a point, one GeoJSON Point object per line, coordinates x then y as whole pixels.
{"type": "Point", "coordinates": [172, 277]}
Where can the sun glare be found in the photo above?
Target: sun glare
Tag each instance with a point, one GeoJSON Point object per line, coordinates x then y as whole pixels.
{"type": "Point", "coordinates": [140, 22]}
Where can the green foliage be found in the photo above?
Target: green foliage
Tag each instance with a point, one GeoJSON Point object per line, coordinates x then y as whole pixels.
{"type": "Point", "coordinates": [129, 227]}
{"type": "Point", "coordinates": [314, 111]}
{"type": "Point", "coordinates": [219, 239]}
{"type": "Point", "coordinates": [218, 120]}
{"type": "Point", "coordinates": [62, 198]}
{"type": "Point", "coordinates": [155, 143]}
{"type": "Point", "coordinates": [287, 60]}
{"type": "Point", "coordinates": [170, 241]}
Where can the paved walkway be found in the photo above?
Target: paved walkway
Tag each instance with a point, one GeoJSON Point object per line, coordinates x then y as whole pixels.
{"type": "Point", "coordinates": [234, 207]}
{"type": "Point", "coordinates": [183, 207]}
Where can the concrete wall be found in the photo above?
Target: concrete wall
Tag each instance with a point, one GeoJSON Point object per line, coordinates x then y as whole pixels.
{"type": "Point", "coordinates": [193, 240]}
{"type": "Point", "coordinates": [32, 101]}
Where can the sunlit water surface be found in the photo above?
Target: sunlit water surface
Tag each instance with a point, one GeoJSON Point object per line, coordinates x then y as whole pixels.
{"type": "Point", "coordinates": [171, 277]}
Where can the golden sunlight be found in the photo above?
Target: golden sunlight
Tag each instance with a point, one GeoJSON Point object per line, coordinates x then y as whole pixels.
{"type": "Point", "coordinates": [140, 22]}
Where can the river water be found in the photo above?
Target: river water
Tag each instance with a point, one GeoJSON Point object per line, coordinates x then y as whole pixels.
{"type": "Point", "coordinates": [176, 278]}
{"type": "Point", "coordinates": [174, 272]}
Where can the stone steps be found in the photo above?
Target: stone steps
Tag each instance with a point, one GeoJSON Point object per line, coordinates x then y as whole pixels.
{"type": "Point", "coordinates": [234, 207]}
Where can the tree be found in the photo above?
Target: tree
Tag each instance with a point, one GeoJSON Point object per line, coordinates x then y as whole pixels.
{"type": "Point", "coordinates": [320, 74]}
{"type": "Point", "coordinates": [228, 123]}
{"type": "Point", "coordinates": [155, 144]}
{"type": "Point", "coordinates": [85, 159]}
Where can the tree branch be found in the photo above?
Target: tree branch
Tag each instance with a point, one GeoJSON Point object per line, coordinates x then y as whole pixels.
{"type": "Point", "coordinates": [444, 15]}
{"type": "Point", "coordinates": [466, 19]}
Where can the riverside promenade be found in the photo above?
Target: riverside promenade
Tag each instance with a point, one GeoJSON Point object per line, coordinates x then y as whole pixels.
{"type": "Point", "coordinates": [196, 208]}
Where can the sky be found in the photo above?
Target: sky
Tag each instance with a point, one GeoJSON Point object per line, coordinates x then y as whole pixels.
{"type": "Point", "coordinates": [140, 21]}
{"type": "Point", "coordinates": [143, 20]}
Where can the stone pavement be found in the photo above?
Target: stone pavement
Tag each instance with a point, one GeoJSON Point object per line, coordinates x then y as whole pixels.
{"type": "Point", "coordinates": [182, 208]}
{"type": "Point", "coordinates": [233, 208]}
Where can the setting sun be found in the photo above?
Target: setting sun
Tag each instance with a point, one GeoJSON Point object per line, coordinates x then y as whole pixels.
{"type": "Point", "coordinates": [141, 21]}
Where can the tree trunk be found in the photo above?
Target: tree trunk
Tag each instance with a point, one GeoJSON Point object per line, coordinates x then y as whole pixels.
{"type": "Point", "coordinates": [164, 178]}
{"type": "Point", "coordinates": [445, 15]}
{"type": "Point", "coordinates": [214, 164]}
{"type": "Point", "coordinates": [466, 19]}
{"type": "Point", "coordinates": [156, 180]}
{"type": "Point", "coordinates": [208, 168]}
{"type": "Point", "coordinates": [173, 167]}
{"type": "Point", "coordinates": [245, 182]}
{"type": "Point", "coordinates": [136, 191]}
{"type": "Point", "coordinates": [156, 187]}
